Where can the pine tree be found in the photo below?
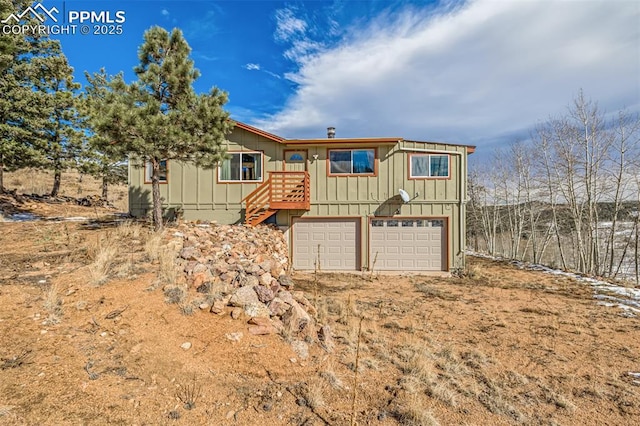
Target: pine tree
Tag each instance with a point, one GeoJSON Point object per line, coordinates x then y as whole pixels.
{"type": "Point", "coordinates": [160, 117]}
{"type": "Point", "coordinates": [20, 112]}
{"type": "Point", "coordinates": [60, 133]}
{"type": "Point", "coordinates": [102, 158]}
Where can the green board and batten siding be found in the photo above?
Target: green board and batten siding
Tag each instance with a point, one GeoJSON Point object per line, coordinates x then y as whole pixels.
{"type": "Point", "coordinates": [199, 195]}
{"type": "Point", "coordinates": [370, 196]}
{"type": "Point", "coordinates": [197, 191]}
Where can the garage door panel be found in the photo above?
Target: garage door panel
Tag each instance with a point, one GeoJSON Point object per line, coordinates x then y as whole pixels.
{"type": "Point", "coordinates": [338, 241]}
{"type": "Point", "coordinates": [408, 250]}
{"type": "Point", "coordinates": [410, 246]}
{"type": "Point", "coordinates": [393, 263]}
{"type": "Point", "coordinates": [335, 236]}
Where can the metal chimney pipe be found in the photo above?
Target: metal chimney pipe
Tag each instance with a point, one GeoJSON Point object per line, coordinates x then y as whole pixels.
{"type": "Point", "coordinates": [331, 132]}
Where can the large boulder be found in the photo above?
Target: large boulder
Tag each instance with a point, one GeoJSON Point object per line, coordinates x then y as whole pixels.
{"type": "Point", "coordinates": [257, 309]}
{"type": "Point", "coordinates": [243, 296]}
{"type": "Point", "coordinates": [278, 307]}
{"type": "Point", "coordinates": [296, 320]}
{"type": "Point", "coordinates": [265, 294]}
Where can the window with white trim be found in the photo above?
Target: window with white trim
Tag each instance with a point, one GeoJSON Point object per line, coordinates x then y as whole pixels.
{"type": "Point", "coordinates": [423, 166]}
{"type": "Point", "coordinates": [241, 167]}
{"type": "Point", "coordinates": [162, 172]}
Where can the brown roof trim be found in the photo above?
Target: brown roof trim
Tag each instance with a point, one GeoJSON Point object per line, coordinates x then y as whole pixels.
{"type": "Point", "coordinates": [470, 148]}
{"type": "Point", "coordinates": [343, 141]}
{"type": "Point", "coordinates": [337, 141]}
{"type": "Point", "coordinates": [257, 131]}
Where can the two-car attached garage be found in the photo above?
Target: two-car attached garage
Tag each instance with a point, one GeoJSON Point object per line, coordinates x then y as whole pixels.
{"type": "Point", "coordinates": [394, 244]}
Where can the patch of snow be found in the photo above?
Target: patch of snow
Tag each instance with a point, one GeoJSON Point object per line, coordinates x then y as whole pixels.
{"type": "Point", "coordinates": [22, 217]}
{"type": "Point", "coordinates": [75, 219]}
{"type": "Point", "coordinates": [31, 217]}
{"type": "Point", "coordinates": [66, 219]}
{"type": "Point", "coordinates": [602, 290]}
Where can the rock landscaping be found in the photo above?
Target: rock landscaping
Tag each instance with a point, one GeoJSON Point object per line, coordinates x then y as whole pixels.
{"type": "Point", "coordinates": [243, 272]}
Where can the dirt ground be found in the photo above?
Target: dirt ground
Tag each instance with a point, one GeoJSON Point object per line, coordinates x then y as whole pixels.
{"type": "Point", "coordinates": [73, 184]}
{"type": "Point", "coordinates": [498, 346]}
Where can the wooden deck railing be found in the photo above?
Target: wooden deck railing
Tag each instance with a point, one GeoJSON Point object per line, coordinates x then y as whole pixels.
{"type": "Point", "coordinates": [282, 190]}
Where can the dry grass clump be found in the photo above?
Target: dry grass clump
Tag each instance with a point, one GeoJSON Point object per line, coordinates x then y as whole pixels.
{"type": "Point", "coordinates": [103, 262]}
{"type": "Point", "coordinates": [332, 378]}
{"type": "Point", "coordinates": [393, 325]}
{"type": "Point", "coordinates": [189, 393]}
{"type": "Point", "coordinates": [187, 308]}
{"type": "Point", "coordinates": [414, 412]}
{"type": "Point", "coordinates": [169, 271]}
{"type": "Point", "coordinates": [443, 392]}
{"type": "Point", "coordinates": [472, 271]}
{"type": "Point", "coordinates": [514, 379]}
{"type": "Point", "coordinates": [415, 359]}
{"type": "Point", "coordinates": [559, 400]}
{"type": "Point", "coordinates": [475, 359]}
{"type": "Point", "coordinates": [312, 394]}
{"type": "Point", "coordinates": [53, 305]}
{"type": "Point", "coordinates": [493, 398]}
{"type": "Point", "coordinates": [347, 312]}
{"type": "Point", "coordinates": [432, 292]}
{"type": "Point", "coordinates": [152, 246]}
{"type": "Point", "coordinates": [114, 253]}
{"type": "Point", "coordinates": [128, 230]}
{"type": "Point", "coordinates": [175, 294]}
{"type": "Point", "coordinates": [334, 307]}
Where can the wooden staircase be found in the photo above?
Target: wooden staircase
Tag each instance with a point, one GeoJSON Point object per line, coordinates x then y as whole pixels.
{"type": "Point", "coordinates": [281, 191]}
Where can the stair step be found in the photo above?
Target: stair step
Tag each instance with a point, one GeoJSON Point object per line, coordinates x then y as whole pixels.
{"type": "Point", "coordinates": [257, 219]}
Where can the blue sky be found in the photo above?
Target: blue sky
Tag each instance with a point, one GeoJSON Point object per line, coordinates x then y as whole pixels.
{"type": "Point", "coordinates": [479, 72]}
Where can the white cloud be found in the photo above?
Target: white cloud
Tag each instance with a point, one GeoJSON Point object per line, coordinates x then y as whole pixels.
{"type": "Point", "coordinates": [205, 57]}
{"type": "Point", "coordinates": [164, 12]}
{"type": "Point", "coordinates": [473, 74]}
{"type": "Point", "coordinates": [295, 32]}
{"type": "Point", "coordinates": [258, 67]}
{"type": "Point", "coordinates": [288, 26]}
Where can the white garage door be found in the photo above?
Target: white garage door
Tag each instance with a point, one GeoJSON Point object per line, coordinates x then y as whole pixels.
{"type": "Point", "coordinates": [408, 244]}
{"type": "Point", "coordinates": [335, 243]}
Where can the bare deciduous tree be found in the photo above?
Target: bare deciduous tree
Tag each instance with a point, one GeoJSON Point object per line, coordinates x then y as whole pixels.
{"type": "Point", "coordinates": [575, 181]}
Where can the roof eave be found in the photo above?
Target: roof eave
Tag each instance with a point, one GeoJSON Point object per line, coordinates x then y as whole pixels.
{"type": "Point", "coordinates": [344, 141]}
{"type": "Point", "coordinates": [470, 148]}
{"type": "Point", "coordinates": [259, 132]}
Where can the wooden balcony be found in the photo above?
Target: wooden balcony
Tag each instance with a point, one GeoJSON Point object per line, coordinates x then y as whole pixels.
{"type": "Point", "coordinates": [281, 191]}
